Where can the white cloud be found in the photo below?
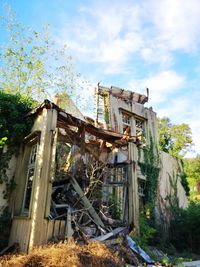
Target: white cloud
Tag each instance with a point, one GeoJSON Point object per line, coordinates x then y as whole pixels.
{"type": "Point", "coordinates": [176, 23]}
{"type": "Point", "coordinates": [115, 35]}
{"type": "Point", "coordinates": [104, 33]}
{"type": "Point", "coordinates": [160, 85]}
{"type": "Point", "coordinates": [114, 32]}
{"type": "Point", "coordinates": [184, 109]}
{"type": "Point", "coordinates": [195, 126]}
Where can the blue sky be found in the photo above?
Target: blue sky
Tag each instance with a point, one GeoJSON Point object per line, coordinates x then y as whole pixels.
{"type": "Point", "coordinates": [130, 44]}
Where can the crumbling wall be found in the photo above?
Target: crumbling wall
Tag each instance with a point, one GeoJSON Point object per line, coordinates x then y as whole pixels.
{"type": "Point", "coordinates": [117, 105]}
{"type": "Point", "coordinates": [151, 126]}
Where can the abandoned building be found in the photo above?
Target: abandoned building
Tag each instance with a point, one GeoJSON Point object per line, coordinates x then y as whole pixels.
{"type": "Point", "coordinates": [81, 176]}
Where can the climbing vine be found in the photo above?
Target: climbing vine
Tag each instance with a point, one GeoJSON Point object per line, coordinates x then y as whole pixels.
{"type": "Point", "coordinates": [173, 196]}
{"type": "Point", "coordinates": [14, 125]}
{"type": "Point", "coordinates": [184, 176]}
{"type": "Point", "coordinates": [106, 110]}
{"type": "Point", "coordinates": [149, 165]}
{"type": "Point", "coordinates": [150, 168]}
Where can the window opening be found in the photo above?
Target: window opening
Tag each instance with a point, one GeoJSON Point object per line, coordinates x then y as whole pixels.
{"type": "Point", "coordinates": [141, 188]}
{"type": "Point", "coordinates": [29, 179]}
{"type": "Point", "coordinates": [115, 191]}
{"type": "Point", "coordinates": [139, 124]}
{"type": "Point", "coordinates": [126, 123]}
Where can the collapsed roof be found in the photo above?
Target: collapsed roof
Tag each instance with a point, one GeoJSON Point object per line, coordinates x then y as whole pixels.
{"type": "Point", "coordinates": [65, 120]}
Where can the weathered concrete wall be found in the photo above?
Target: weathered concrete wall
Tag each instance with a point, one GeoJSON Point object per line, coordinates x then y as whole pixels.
{"type": "Point", "coordinates": [171, 167]}
{"type": "Point", "coordinates": [151, 125]}
{"type": "Point", "coordinates": [170, 189]}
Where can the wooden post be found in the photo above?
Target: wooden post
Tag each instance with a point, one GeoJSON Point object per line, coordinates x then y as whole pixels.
{"type": "Point", "coordinates": [42, 188]}
{"type": "Point", "coordinates": [133, 188]}
{"type": "Point", "coordinates": [97, 105]}
{"type": "Point", "coordinates": [87, 204]}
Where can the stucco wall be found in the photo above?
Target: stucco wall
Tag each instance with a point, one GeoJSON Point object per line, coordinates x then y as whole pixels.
{"type": "Point", "coordinates": [170, 168]}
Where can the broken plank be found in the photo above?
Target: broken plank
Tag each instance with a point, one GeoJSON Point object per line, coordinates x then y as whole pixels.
{"type": "Point", "coordinates": [108, 235]}
{"type": "Point", "coordinates": [114, 241]}
{"type": "Point", "coordinates": [68, 228]}
{"type": "Point", "coordinates": [97, 220]}
{"type": "Point", "coordinates": [136, 248]}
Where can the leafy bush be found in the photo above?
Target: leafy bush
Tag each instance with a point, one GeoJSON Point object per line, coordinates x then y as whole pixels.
{"type": "Point", "coordinates": [13, 126]}
{"type": "Point", "coordinates": [147, 230]}
{"type": "Point", "coordinates": [185, 230]}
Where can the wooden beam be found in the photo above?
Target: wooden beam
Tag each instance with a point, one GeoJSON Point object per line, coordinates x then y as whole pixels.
{"type": "Point", "coordinates": [87, 204]}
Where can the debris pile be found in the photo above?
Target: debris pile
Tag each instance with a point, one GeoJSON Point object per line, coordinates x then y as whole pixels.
{"type": "Point", "coordinates": [90, 185]}
{"type": "Point", "coordinates": [121, 251]}
{"type": "Point", "coordinates": [85, 213]}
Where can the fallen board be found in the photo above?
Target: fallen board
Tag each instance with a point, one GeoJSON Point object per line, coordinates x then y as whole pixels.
{"type": "Point", "coordinates": [137, 249]}
{"type": "Point", "coordinates": [108, 235]}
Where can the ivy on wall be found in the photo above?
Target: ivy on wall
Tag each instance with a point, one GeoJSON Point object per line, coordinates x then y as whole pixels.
{"type": "Point", "coordinates": [14, 125]}
{"type": "Point", "coordinates": [106, 111]}
{"type": "Point", "coordinates": [184, 180]}
{"type": "Point", "coordinates": [172, 198]}
{"type": "Point", "coordinates": [149, 165]}
{"type": "Point", "coordinates": [150, 168]}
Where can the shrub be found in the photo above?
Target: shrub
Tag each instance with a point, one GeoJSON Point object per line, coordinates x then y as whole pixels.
{"type": "Point", "coordinates": [185, 230]}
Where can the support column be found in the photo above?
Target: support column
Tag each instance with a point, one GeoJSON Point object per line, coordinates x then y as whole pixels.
{"type": "Point", "coordinates": [133, 187]}
{"type": "Point", "coordinates": [41, 185]}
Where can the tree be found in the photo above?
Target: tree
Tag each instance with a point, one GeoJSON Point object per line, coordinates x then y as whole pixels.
{"type": "Point", "coordinates": [32, 65]}
{"type": "Point", "coordinates": [174, 139]}
{"type": "Point", "coordinates": [192, 170]}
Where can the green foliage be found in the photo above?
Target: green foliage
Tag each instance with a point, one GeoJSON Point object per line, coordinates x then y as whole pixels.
{"type": "Point", "coordinates": [185, 183]}
{"type": "Point", "coordinates": [13, 127]}
{"type": "Point", "coordinates": [147, 230]}
{"type": "Point", "coordinates": [185, 230]}
{"type": "Point", "coordinates": [31, 64]}
{"type": "Point", "coordinates": [174, 139]}
{"type": "Point", "coordinates": [115, 206]}
{"type": "Point", "coordinates": [173, 196]}
{"type": "Point", "coordinates": [192, 170]}
{"type": "Point", "coordinates": [149, 168]}
{"type": "Point", "coordinates": [106, 109]}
